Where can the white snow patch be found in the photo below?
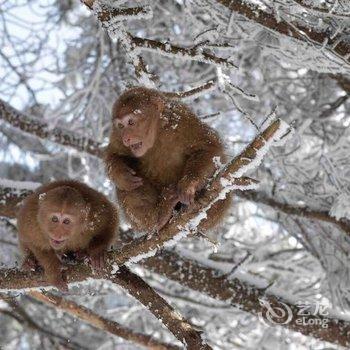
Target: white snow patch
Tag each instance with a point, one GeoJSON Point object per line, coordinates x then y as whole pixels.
{"type": "Point", "coordinates": [19, 185]}
{"type": "Point", "coordinates": [341, 207]}
{"type": "Point", "coordinates": [275, 140]}
{"type": "Point", "coordinates": [137, 258]}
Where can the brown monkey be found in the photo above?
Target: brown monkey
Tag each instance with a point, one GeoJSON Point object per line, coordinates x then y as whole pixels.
{"type": "Point", "coordinates": [160, 154]}
{"type": "Point", "coordinates": [61, 217]}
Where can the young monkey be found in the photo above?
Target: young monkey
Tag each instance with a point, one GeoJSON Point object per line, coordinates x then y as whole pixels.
{"type": "Point", "coordinates": [65, 217]}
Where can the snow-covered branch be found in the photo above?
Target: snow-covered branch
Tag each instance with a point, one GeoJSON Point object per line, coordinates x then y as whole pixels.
{"type": "Point", "coordinates": [100, 322]}
{"type": "Point", "coordinates": [342, 224]}
{"type": "Point", "coordinates": [249, 298]}
{"type": "Point", "coordinates": [336, 43]}
{"type": "Point", "coordinates": [40, 129]}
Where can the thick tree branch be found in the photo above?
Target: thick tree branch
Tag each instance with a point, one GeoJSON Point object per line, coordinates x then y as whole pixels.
{"type": "Point", "coordinates": [141, 291]}
{"type": "Point", "coordinates": [335, 44]}
{"type": "Point", "coordinates": [36, 127]}
{"type": "Point", "coordinates": [100, 322]}
{"type": "Point", "coordinates": [247, 297]}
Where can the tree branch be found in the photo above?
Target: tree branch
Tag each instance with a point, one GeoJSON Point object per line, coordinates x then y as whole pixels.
{"type": "Point", "coordinates": [22, 316]}
{"type": "Point", "coordinates": [100, 322]}
{"type": "Point", "coordinates": [259, 197]}
{"type": "Point", "coordinates": [36, 127]}
{"type": "Point", "coordinates": [335, 44]}
{"type": "Point", "coordinates": [247, 297]}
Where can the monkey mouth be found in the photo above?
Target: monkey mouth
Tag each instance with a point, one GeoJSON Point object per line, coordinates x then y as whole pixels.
{"type": "Point", "coordinates": [57, 242]}
{"type": "Point", "coordinates": [136, 146]}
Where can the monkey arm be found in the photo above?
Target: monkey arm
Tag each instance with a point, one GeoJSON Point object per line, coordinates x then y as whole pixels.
{"type": "Point", "coordinates": [199, 167]}
{"type": "Point", "coordinates": [120, 172]}
{"type": "Point", "coordinates": [98, 246]}
{"type": "Point", "coordinates": [52, 266]}
{"type": "Point", "coordinates": [101, 241]}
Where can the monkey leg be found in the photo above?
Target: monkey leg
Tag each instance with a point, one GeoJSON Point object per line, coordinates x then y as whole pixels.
{"type": "Point", "coordinates": [140, 207]}
{"type": "Point", "coordinates": [216, 214]}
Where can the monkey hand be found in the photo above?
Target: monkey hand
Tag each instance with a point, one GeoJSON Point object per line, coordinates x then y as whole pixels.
{"type": "Point", "coordinates": [98, 260]}
{"type": "Point", "coordinates": [127, 180]}
{"type": "Point", "coordinates": [30, 263]}
{"type": "Point", "coordinates": [186, 189]}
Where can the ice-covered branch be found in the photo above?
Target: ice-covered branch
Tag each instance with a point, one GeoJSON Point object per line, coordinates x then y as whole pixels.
{"type": "Point", "coordinates": [249, 298]}
{"type": "Point", "coordinates": [305, 212]}
{"type": "Point", "coordinates": [336, 43]}
{"type": "Point", "coordinates": [40, 129]}
{"type": "Point", "coordinates": [193, 54]}
{"type": "Point", "coordinates": [133, 44]}
{"type": "Point", "coordinates": [119, 14]}
{"type": "Point", "coordinates": [145, 294]}
{"type": "Point", "coordinates": [193, 93]}
{"type": "Point", "coordinates": [100, 322]}
{"type": "Point", "coordinates": [12, 193]}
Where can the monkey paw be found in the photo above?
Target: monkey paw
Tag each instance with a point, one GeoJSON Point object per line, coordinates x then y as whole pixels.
{"type": "Point", "coordinates": [98, 261]}
{"type": "Point", "coordinates": [30, 264]}
{"type": "Point", "coordinates": [128, 180]}
{"type": "Point", "coordinates": [186, 191]}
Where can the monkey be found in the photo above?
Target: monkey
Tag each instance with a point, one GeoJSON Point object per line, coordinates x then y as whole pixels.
{"type": "Point", "coordinates": [160, 155]}
{"type": "Point", "coordinates": [63, 217]}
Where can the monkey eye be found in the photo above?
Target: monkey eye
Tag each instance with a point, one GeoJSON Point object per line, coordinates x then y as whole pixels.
{"type": "Point", "coordinates": [66, 221]}
{"type": "Point", "coordinates": [120, 126]}
{"type": "Point", "coordinates": [54, 218]}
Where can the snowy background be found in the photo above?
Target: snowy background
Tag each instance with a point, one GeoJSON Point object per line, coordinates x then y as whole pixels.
{"type": "Point", "coordinates": [62, 64]}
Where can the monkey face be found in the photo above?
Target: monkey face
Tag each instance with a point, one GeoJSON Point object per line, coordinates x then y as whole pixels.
{"type": "Point", "coordinates": [61, 223]}
{"type": "Point", "coordinates": [137, 132]}
{"type": "Point", "coordinates": [61, 227]}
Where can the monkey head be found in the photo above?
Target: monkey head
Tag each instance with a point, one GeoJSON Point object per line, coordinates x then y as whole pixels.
{"type": "Point", "coordinates": [62, 215]}
{"type": "Point", "coordinates": [136, 118]}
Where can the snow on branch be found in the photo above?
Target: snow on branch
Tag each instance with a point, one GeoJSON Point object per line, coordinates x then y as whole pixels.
{"type": "Point", "coordinates": [100, 322]}
{"type": "Point", "coordinates": [145, 294]}
{"type": "Point", "coordinates": [12, 193]}
{"type": "Point", "coordinates": [249, 298]}
{"type": "Point", "coordinates": [336, 44]}
{"type": "Point", "coordinates": [194, 92]}
{"type": "Point", "coordinates": [170, 50]}
{"type": "Point", "coordinates": [289, 209]}
{"type": "Point", "coordinates": [40, 129]}
{"type": "Point", "coordinates": [105, 14]}
{"type": "Point", "coordinates": [133, 45]}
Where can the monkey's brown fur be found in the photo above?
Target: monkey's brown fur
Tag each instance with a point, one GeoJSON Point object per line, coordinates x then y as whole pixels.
{"type": "Point", "coordinates": [174, 169]}
{"type": "Point", "coordinates": [97, 223]}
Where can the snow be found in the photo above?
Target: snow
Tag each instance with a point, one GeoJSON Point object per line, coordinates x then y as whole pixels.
{"type": "Point", "coordinates": [140, 257]}
{"type": "Point", "coordinates": [275, 140]}
{"type": "Point", "coordinates": [341, 207]}
{"type": "Point", "coordinates": [19, 185]}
